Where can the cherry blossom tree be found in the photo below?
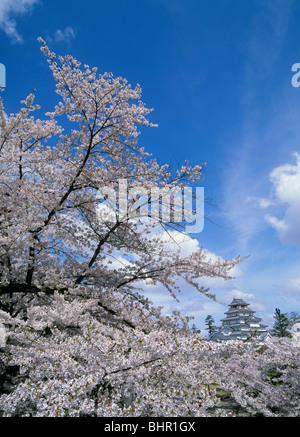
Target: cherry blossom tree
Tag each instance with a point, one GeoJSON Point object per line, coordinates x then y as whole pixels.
{"type": "Point", "coordinates": [50, 184]}
{"type": "Point", "coordinates": [77, 335]}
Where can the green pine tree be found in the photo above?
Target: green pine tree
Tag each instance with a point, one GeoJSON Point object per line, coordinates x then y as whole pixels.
{"type": "Point", "coordinates": [281, 324]}
{"type": "Point", "coordinates": [209, 321]}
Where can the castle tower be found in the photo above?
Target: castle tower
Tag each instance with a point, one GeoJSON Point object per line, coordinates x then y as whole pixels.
{"type": "Point", "coordinates": [240, 323]}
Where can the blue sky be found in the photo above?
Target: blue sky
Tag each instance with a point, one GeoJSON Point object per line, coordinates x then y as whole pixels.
{"type": "Point", "coordinates": [218, 75]}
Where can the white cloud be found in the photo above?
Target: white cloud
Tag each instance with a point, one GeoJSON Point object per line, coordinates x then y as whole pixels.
{"type": "Point", "coordinates": [262, 202]}
{"type": "Point", "coordinates": [286, 183]}
{"type": "Point", "coordinates": [286, 179]}
{"type": "Point", "coordinates": [9, 8]}
{"type": "Point", "coordinates": [64, 35]}
{"type": "Point", "coordinates": [238, 294]}
{"type": "Point", "coordinates": [175, 240]}
{"type": "Point", "coordinates": [279, 225]}
{"type": "Point", "coordinates": [293, 284]}
{"type": "Point", "coordinates": [255, 303]}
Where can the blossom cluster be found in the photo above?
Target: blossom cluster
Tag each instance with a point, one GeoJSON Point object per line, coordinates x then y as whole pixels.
{"type": "Point", "coordinates": [73, 358]}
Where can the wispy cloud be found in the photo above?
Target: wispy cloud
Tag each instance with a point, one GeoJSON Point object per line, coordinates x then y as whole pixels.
{"type": "Point", "coordinates": [255, 303]}
{"type": "Point", "coordinates": [293, 284]}
{"type": "Point", "coordinates": [65, 35]}
{"type": "Point", "coordinates": [8, 10]}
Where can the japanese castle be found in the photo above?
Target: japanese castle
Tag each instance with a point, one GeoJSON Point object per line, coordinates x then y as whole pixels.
{"type": "Point", "coordinates": [240, 324]}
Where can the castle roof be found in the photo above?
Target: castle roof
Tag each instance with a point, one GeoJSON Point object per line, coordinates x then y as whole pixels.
{"type": "Point", "coordinates": [238, 302]}
{"type": "Point", "coordinates": [237, 311]}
